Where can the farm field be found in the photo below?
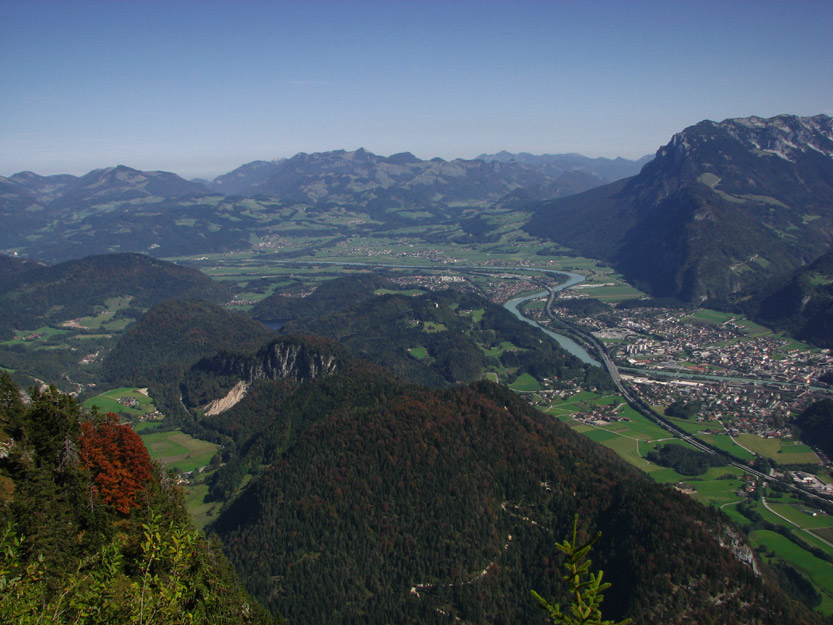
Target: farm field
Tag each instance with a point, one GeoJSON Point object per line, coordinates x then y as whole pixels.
{"type": "Point", "coordinates": [176, 449]}
{"type": "Point", "coordinates": [817, 570]}
{"type": "Point", "coordinates": [800, 513]}
{"type": "Point", "coordinates": [715, 488]}
{"type": "Point", "coordinates": [612, 294]}
{"type": "Point", "coordinates": [38, 337]}
{"type": "Point", "coordinates": [725, 443]}
{"type": "Point", "coordinates": [783, 452]}
{"type": "Point", "coordinates": [200, 511]}
{"type": "Point", "coordinates": [712, 316]}
{"type": "Point", "coordinates": [420, 353]}
{"type": "Point", "coordinates": [109, 402]}
{"type": "Point", "coordinates": [525, 383]}
{"type": "Point", "coordinates": [628, 438]}
{"type": "Point", "coordinates": [104, 320]}
{"type": "Point", "coordinates": [691, 426]}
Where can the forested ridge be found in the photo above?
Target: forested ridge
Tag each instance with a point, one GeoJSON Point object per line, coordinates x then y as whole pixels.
{"type": "Point", "coordinates": [33, 294]}
{"type": "Point", "coordinates": [413, 505]}
{"type": "Point", "coordinates": [459, 344]}
{"type": "Point", "coordinates": [172, 336]}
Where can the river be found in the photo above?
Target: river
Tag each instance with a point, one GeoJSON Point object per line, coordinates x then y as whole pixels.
{"type": "Point", "coordinates": [565, 342]}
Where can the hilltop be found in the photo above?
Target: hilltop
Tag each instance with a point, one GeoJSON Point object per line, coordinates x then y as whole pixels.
{"type": "Point", "coordinates": [457, 497]}
{"type": "Point", "coordinates": [34, 294]}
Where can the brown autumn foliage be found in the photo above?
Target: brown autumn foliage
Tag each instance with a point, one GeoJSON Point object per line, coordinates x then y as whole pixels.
{"type": "Point", "coordinates": [118, 460]}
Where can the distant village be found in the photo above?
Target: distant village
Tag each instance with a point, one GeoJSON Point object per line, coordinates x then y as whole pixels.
{"type": "Point", "coordinates": [744, 383]}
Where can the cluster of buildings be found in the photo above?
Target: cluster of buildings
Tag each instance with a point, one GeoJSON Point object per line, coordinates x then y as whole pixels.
{"type": "Point", "coordinates": [752, 384]}
{"type": "Point", "coordinates": [90, 358]}
{"type": "Point", "coordinates": [735, 408]}
{"type": "Point", "coordinates": [600, 415]}
{"type": "Point", "coordinates": [808, 480]}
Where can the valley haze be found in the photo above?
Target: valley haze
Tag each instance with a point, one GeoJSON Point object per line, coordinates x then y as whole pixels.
{"type": "Point", "coordinates": [400, 400]}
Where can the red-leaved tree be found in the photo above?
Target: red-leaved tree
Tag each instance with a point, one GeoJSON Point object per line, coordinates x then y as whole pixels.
{"type": "Point", "coordinates": [118, 461]}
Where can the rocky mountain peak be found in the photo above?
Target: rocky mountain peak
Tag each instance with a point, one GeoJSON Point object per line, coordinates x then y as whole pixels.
{"type": "Point", "coordinates": [783, 135]}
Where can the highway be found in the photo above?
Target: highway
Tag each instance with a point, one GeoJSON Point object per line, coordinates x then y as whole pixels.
{"type": "Point", "coordinates": [644, 409]}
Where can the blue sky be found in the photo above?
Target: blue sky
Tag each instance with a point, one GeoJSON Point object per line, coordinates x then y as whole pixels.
{"type": "Point", "coordinates": [199, 88]}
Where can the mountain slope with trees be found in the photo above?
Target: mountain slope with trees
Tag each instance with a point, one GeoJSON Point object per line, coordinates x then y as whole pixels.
{"type": "Point", "coordinates": [172, 336]}
{"type": "Point", "coordinates": [461, 334]}
{"type": "Point", "coordinates": [416, 506]}
{"type": "Point", "coordinates": [35, 294]}
{"type": "Point", "coordinates": [722, 209]}
{"type": "Point", "coordinates": [804, 305]}
{"type": "Point", "coordinates": [92, 532]}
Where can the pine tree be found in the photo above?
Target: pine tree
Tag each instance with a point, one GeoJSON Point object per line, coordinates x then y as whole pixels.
{"type": "Point", "coordinates": [586, 588]}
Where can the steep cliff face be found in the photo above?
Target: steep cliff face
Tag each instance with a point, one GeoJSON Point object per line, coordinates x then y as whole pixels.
{"type": "Point", "coordinates": [287, 358]}
{"type": "Point", "coordinates": [279, 360]}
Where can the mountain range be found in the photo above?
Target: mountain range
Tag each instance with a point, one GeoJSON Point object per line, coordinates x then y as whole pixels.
{"type": "Point", "coordinates": [723, 215]}
{"type": "Point", "coordinates": [363, 177]}
{"type": "Point", "coordinates": [720, 212]}
{"type": "Point", "coordinates": [119, 209]}
{"type": "Point", "coordinates": [556, 165]}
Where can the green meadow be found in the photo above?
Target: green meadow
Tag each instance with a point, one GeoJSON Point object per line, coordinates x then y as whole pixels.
{"type": "Point", "coordinates": [177, 449]}
{"type": "Point", "coordinates": [109, 402]}
{"type": "Point", "coordinates": [820, 572]}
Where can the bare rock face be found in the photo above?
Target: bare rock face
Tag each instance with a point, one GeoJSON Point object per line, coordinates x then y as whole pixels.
{"type": "Point", "coordinates": [732, 541]}
{"type": "Point", "coordinates": [282, 359]}
{"type": "Point", "coordinates": [231, 399]}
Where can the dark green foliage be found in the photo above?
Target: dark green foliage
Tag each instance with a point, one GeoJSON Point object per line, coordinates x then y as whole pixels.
{"type": "Point", "coordinates": [51, 294]}
{"type": "Point", "coordinates": [275, 413]}
{"type": "Point", "coordinates": [330, 297]}
{"type": "Point", "coordinates": [11, 266]}
{"type": "Point", "coordinates": [170, 338]}
{"type": "Point", "coordinates": [793, 583]}
{"type": "Point", "coordinates": [67, 557]}
{"type": "Point", "coordinates": [383, 328]}
{"type": "Point", "coordinates": [585, 587]}
{"type": "Point", "coordinates": [683, 409]}
{"type": "Point", "coordinates": [684, 460]}
{"type": "Point", "coordinates": [396, 504]}
{"type": "Point", "coordinates": [816, 424]}
{"type": "Point", "coordinates": [584, 306]}
{"type": "Point", "coordinates": [804, 306]}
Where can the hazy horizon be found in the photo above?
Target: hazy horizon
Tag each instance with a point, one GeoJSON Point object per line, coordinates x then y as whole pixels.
{"type": "Point", "coordinates": [199, 88]}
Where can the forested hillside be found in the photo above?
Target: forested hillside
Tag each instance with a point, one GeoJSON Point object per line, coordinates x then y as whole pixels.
{"type": "Point", "coordinates": [33, 294]}
{"type": "Point", "coordinates": [171, 337]}
{"type": "Point", "coordinates": [92, 532]}
{"type": "Point", "coordinates": [433, 338]}
{"type": "Point", "coordinates": [804, 305]}
{"type": "Point", "coordinates": [409, 505]}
